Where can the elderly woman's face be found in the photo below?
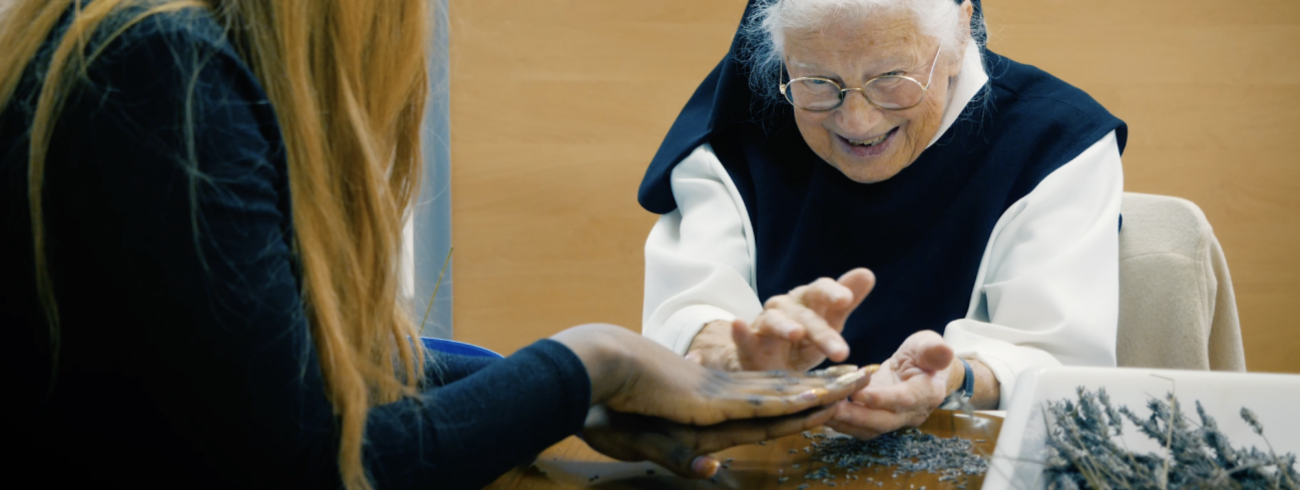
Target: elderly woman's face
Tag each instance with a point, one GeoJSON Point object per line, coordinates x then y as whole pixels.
{"type": "Point", "coordinates": [850, 137]}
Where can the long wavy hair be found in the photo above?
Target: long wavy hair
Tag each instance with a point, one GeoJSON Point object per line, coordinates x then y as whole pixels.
{"type": "Point", "coordinates": [351, 175]}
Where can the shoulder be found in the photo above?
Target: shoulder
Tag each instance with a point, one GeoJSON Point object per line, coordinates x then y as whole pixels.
{"type": "Point", "coordinates": [170, 74]}
{"type": "Point", "coordinates": [1029, 84]}
{"type": "Point", "coordinates": [1024, 93]}
{"type": "Point", "coordinates": [138, 50]}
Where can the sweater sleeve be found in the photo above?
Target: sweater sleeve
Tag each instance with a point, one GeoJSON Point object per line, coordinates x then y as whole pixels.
{"type": "Point", "coordinates": [178, 285]}
{"type": "Point", "coordinates": [699, 257]}
{"type": "Point", "coordinates": [1047, 293]}
{"type": "Point", "coordinates": [467, 432]}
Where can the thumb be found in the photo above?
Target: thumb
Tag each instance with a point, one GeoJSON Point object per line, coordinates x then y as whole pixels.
{"type": "Point", "coordinates": [744, 337]}
{"type": "Point", "coordinates": [932, 353]}
{"type": "Point", "coordinates": [860, 281]}
{"type": "Point", "coordinates": [677, 457]}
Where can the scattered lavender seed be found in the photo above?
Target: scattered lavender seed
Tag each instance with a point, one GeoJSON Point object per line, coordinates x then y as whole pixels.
{"type": "Point", "coordinates": [819, 474]}
{"type": "Point", "coordinates": [802, 487]}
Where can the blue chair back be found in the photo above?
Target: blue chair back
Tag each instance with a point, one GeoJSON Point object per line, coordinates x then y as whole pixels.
{"type": "Point", "coordinates": [459, 348]}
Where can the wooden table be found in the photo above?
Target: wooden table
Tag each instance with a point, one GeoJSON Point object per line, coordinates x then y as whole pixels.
{"type": "Point", "coordinates": [571, 464]}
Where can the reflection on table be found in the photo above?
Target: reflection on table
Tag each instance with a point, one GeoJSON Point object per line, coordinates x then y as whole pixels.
{"type": "Point", "coordinates": [571, 464]}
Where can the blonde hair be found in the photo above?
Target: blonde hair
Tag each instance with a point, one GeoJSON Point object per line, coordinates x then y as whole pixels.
{"type": "Point", "coordinates": [351, 175]}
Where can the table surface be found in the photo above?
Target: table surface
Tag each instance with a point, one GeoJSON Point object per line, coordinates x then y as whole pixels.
{"type": "Point", "coordinates": [571, 464]}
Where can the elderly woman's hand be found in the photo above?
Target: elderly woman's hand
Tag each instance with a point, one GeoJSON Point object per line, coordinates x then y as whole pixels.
{"type": "Point", "coordinates": [685, 449]}
{"type": "Point", "coordinates": [906, 389]}
{"type": "Point", "coordinates": [795, 332]}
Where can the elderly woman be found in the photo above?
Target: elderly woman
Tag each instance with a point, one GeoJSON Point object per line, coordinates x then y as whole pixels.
{"type": "Point", "coordinates": [880, 142]}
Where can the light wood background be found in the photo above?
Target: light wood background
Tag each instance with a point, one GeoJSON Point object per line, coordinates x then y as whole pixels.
{"type": "Point", "coordinates": [558, 105]}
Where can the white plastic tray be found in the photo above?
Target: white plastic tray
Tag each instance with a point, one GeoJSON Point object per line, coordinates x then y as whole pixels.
{"type": "Point", "coordinates": [1275, 399]}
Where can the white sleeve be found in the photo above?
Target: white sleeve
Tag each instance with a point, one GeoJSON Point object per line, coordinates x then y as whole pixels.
{"type": "Point", "coordinates": [1047, 293]}
{"type": "Point", "coordinates": [699, 264]}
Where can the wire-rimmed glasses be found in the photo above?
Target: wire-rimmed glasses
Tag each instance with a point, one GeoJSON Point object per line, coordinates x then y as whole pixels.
{"type": "Point", "coordinates": [889, 92]}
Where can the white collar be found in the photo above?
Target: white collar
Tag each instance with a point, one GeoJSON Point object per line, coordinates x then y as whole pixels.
{"type": "Point", "coordinates": [967, 86]}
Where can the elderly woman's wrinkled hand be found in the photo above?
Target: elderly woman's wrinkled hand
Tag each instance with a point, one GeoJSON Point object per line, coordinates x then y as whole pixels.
{"type": "Point", "coordinates": [903, 393]}
{"type": "Point", "coordinates": [801, 329]}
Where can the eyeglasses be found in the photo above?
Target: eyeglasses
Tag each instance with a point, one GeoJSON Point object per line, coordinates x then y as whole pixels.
{"type": "Point", "coordinates": [890, 92]}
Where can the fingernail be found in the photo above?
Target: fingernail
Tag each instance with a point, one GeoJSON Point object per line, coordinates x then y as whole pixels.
{"type": "Point", "coordinates": [839, 370]}
{"type": "Point", "coordinates": [705, 466]}
{"type": "Point", "coordinates": [694, 357]}
{"type": "Point", "coordinates": [813, 394]}
{"type": "Point", "coordinates": [871, 369]}
{"type": "Point", "coordinates": [850, 378]}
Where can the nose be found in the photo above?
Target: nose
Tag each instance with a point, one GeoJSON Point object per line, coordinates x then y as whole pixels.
{"type": "Point", "coordinates": [856, 116]}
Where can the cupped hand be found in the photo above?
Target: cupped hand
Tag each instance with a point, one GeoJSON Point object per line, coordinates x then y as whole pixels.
{"type": "Point", "coordinates": [630, 373]}
{"type": "Point", "coordinates": [801, 329]}
{"type": "Point", "coordinates": [685, 449]}
{"type": "Point", "coordinates": [903, 393]}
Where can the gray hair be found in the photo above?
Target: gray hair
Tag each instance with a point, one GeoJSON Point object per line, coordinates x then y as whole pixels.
{"type": "Point", "coordinates": [764, 33]}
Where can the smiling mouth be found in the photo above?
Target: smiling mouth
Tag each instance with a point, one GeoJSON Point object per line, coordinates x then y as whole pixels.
{"type": "Point", "coordinates": [871, 142]}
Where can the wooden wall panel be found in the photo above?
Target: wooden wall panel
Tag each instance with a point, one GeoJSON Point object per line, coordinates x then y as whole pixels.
{"type": "Point", "coordinates": [558, 105]}
{"type": "Point", "coordinates": [556, 108]}
{"type": "Point", "coordinates": [1211, 93]}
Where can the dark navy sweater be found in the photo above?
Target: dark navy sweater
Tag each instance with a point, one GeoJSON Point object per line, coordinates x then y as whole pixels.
{"type": "Point", "coordinates": [186, 360]}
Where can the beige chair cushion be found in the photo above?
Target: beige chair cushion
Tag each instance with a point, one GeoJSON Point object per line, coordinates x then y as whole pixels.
{"type": "Point", "coordinates": [1177, 309]}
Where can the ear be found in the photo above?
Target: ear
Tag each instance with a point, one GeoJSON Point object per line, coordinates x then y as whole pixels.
{"type": "Point", "coordinates": [967, 11]}
{"type": "Point", "coordinates": [955, 62]}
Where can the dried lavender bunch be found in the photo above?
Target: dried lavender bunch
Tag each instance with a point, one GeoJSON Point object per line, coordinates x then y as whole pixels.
{"type": "Point", "coordinates": [1082, 451]}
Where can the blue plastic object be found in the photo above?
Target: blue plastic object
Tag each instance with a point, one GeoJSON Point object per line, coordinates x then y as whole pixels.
{"type": "Point", "coordinates": [458, 348]}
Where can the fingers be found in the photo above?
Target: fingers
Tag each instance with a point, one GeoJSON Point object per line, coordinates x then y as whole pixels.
{"type": "Point", "coordinates": [673, 449]}
{"type": "Point", "coordinates": [685, 449]}
{"type": "Point", "coordinates": [823, 294]}
{"type": "Point", "coordinates": [834, 371]}
{"type": "Point", "coordinates": [866, 422]}
{"type": "Point", "coordinates": [785, 312]}
{"type": "Point", "coordinates": [859, 282]}
{"type": "Point", "coordinates": [784, 325]}
{"type": "Point", "coordinates": [779, 399]}
{"type": "Point", "coordinates": [728, 434]}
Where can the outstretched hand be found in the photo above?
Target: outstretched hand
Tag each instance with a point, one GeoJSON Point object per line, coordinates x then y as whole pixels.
{"type": "Point", "coordinates": [801, 329]}
{"type": "Point", "coordinates": [632, 374]}
{"type": "Point", "coordinates": [903, 393]}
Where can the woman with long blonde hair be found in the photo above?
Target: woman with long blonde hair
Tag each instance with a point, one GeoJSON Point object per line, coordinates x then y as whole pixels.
{"type": "Point", "coordinates": [201, 204]}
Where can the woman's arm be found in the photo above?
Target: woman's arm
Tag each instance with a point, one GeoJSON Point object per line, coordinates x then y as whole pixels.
{"type": "Point", "coordinates": [699, 264]}
{"type": "Point", "coordinates": [1048, 289]}
{"type": "Point", "coordinates": [169, 213]}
